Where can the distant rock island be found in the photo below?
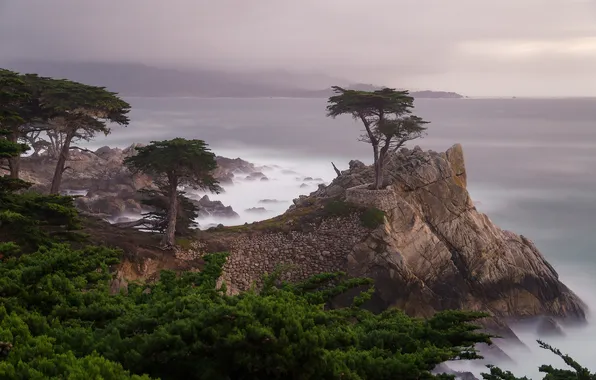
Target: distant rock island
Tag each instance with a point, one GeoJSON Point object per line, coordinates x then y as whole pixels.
{"type": "Point", "coordinates": [369, 87]}
{"type": "Point", "coordinates": [131, 79]}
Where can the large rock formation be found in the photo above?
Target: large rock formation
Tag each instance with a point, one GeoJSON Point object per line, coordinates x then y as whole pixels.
{"type": "Point", "coordinates": [434, 251]}
{"type": "Point", "coordinates": [109, 189]}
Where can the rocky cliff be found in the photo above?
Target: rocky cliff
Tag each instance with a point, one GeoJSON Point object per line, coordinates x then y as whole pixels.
{"type": "Point", "coordinates": [429, 250]}
{"type": "Point", "coordinates": [435, 250]}
{"type": "Point", "coordinates": [432, 250]}
{"type": "Point", "coordinates": [106, 188]}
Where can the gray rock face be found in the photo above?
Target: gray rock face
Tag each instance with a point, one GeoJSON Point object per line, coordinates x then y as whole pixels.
{"type": "Point", "coordinates": [436, 251]}
{"type": "Point", "coordinates": [111, 187]}
{"type": "Point", "coordinates": [207, 207]}
{"type": "Point", "coordinates": [257, 210]}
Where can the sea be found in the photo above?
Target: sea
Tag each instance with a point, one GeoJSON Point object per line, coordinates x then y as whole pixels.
{"type": "Point", "coordinates": [531, 166]}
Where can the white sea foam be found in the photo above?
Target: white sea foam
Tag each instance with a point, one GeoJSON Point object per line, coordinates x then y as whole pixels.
{"type": "Point", "coordinates": [286, 182]}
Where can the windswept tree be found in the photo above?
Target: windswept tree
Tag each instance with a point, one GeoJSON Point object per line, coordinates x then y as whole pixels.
{"type": "Point", "coordinates": [387, 118]}
{"type": "Point", "coordinates": [156, 220]}
{"type": "Point", "coordinates": [66, 111]}
{"type": "Point", "coordinates": [13, 97]}
{"type": "Point", "coordinates": [79, 112]}
{"type": "Point", "coordinates": [175, 163]}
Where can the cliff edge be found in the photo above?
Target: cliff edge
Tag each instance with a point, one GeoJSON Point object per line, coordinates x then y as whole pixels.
{"type": "Point", "coordinates": [432, 250]}
{"type": "Point", "coordinates": [435, 251]}
{"type": "Point", "coordinates": [420, 238]}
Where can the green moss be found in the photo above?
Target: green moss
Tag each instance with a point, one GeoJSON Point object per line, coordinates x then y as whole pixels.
{"type": "Point", "coordinates": [372, 217]}
{"type": "Point", "coordinates": [302, 218]}
{"type": "Point", "coordinates": [184, 243]}
{"type": "Point", "coordinates": [340, 208]}
{"type": "Point", "coordinates": [289, 221]}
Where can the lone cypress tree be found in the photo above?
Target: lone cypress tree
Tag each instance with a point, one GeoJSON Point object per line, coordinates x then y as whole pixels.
{"type": "Point", "coordinates": [387, 119]}
{"type": "Point", "coordinates": [174, 163]}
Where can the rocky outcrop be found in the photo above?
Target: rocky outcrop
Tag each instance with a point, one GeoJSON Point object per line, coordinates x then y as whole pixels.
{"type": "Point", "coordinates": [434, 250]}
{"type": "Point", "coordinates": [271, 201]}
{"type": "Point", "coordinates": [229, 168]}
{"type": "Point", "coordinates": [208, 208]}
{"type": "Point", "coordinates": [111, 189]}
{"type": "Point", "coordinates": [257, 210]}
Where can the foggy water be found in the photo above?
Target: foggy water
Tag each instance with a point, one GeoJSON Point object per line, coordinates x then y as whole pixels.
{"type": "Point", "coordinates": [530, 166]}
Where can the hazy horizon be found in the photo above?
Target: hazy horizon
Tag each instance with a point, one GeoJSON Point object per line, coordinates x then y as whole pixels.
{"type": "Point", "coordinates": [506, 48]}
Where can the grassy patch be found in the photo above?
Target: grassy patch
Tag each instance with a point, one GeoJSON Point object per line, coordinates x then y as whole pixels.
{"type": "Point", "coordinates": [340, 208]}
{"type": "Point", "coordinates": [184, 243]}
{"type": "Point", "coordinates": [289, 221]}
{"type": "Point", "coordinates": [303, 218]}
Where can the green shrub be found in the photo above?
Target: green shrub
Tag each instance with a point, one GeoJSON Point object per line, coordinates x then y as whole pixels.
{"type": "Point", "coordinates": [339, 208]}
{"type": "Point", "coordinates": [372, 217]}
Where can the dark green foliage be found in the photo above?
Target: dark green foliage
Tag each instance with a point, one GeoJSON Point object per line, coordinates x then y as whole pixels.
{"type": "Point", "coordinates": [156, 219]}
{"type": "Point", "coordinates": [48, 298]}
{"type": "Point", "coordinates": [577, 372]}
{"type": "Point", "coordinates": [33, 220]}
{"type": "Point", "coordinates": [57, 308]}
{"type": "Point", "coordinates": [175, 163]}
{"type": "Point", "coordinates": [340, 208]}
{"type": "Point", "coordinates": [188, 162]}
{"type": "Point", "coordinates": [64, 110]}
{"type": "Point", "coordinates": [372, 217]}
{"type": "Point", "coordinates": [13, 96]}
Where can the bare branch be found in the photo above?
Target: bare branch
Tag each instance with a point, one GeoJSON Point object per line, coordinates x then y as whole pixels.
{"type": "Point", "coordinates": [336, 169]}
{"type": "Point", "coordinates": [83, 149]}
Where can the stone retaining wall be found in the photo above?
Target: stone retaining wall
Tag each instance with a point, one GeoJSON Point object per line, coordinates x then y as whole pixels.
{"type": "Point", "coordinates": [324, 250]}
{"type": "Point", "coordinates": [383, 199]}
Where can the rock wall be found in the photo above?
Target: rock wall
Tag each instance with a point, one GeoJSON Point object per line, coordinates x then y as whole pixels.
{"type": "Point", "coordinates": [383, 199]}
{"type": "Point", "coordinates": [325, 249]}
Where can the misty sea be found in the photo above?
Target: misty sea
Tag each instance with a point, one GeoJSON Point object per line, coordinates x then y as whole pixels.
{"type": "Point", "coordinates": [530, 164]}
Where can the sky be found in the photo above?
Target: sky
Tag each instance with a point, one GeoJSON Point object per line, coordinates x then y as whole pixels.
{"type": "Point", "coordinates": [475, 47]}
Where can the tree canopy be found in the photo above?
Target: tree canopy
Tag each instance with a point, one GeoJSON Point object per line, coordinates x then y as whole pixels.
{"type": "Point", "coordinates": [387, 119]}
{"type": "Point", "coordinates": [63, 110]}
{"type": "Point", "coordinates": [175, 163]}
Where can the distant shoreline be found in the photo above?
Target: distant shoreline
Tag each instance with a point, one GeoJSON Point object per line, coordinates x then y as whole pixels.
{"type": "Point", "coordinates": [325, 98]}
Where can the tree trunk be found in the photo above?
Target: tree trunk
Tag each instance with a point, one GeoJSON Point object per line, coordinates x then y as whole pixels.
{"type": "Point", "coordinates": [169, 239]}
{"type": "Point", "coordinates": [14, 163]}
{"type": "Point", "coordinates": [57, 179]}
{"type": "Point", "coordinates": [336, 170]}
{"type": "Point", "coordinates": [378, 174]}
{"type": "Point", "coordinates": [377, 165]}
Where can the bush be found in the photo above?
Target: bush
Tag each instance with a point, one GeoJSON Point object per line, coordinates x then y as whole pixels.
{"type": "Point", "coordinates": [340, 208]}
{"type": "Point", "coordinates": [372, 217]}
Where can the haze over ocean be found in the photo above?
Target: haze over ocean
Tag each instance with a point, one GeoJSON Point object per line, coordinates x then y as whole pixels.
{"type": "Point", "coordinates": [529, 163]}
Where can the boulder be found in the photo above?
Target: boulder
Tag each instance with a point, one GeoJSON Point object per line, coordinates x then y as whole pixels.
{"type": "Point", "coordinates": [217, 209]}
{"type": "Point", "coordinates": [256, 210]}
{"type": "Point", "coordinates": [255, 175]}
{"type": "Point", "coordinates": [271, 201]}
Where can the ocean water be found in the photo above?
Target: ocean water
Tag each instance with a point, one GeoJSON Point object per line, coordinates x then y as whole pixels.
{"type": "Point", "coordinates": [530, 165]}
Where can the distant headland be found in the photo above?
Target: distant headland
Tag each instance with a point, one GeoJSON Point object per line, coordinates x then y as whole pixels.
{"type": "Point", "coordinates": [132, 79]}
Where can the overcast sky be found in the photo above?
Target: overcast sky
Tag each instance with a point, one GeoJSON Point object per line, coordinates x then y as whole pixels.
{"type": "Point", "coordinates": [477, 47]}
